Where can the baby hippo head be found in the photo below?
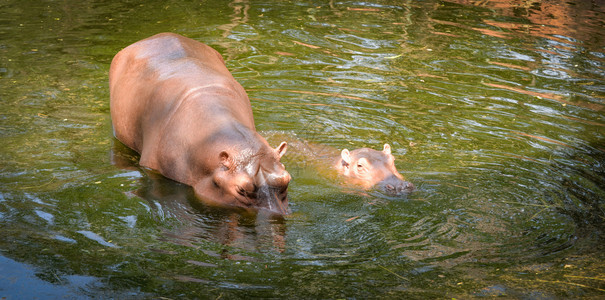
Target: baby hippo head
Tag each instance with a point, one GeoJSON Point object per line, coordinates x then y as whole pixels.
{"type": "Point", "coordinates": [368, 168]}
{"type": "Point", "coordinates": [255, 178]}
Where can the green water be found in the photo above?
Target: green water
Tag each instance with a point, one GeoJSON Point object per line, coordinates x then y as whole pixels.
{"type": "Point", "coordinates": [495, 111]}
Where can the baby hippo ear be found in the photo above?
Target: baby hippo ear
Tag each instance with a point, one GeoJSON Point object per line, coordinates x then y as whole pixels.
{"type": "Point", "coordinates": [387, 149]}
{"type": "Point", "coordinates": [281, 149]}
{"type": "Point", "coordinates": [346, 156]}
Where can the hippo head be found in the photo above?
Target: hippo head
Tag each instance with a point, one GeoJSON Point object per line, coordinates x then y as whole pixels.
{"type": "Point", "coordinates": [368, 168]}
{"type": "Point", "coordinates": [254, 178]}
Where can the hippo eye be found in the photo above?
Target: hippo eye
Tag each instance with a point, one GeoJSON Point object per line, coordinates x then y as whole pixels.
{"type": "Point", "coordinates": [253, 192]}
{"type": "Point", "coordinates": [241, 191]}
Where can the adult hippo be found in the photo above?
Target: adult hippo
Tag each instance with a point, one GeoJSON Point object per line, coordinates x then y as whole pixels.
{"type": "Point", "coordinates": [175, 103]}
{"type": "Point", "coordinates": [368, 168]}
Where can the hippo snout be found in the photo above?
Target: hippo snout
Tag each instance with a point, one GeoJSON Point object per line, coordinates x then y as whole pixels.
{"type": "Point", "coordinates": [393, 186]}
{"type": "Point", "coordinates": [273, 199]}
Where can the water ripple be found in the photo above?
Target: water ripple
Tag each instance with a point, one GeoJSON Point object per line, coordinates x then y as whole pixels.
{"type": "Point", "coordinates": [494, 111]}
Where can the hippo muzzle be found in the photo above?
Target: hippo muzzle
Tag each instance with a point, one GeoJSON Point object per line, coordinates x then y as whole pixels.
{"type": "Point", "coordinates": [394, 186]}
{"type": "Point", "coordinates": [273, 199]}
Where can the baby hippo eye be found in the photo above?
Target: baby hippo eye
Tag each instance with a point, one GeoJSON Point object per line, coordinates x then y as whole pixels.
{"type": "Point", "coordinates": [241, 191]}
{"type": "Point", "coordinates": [361, 168]}
{"type": "Point", "coordinates": [363, 165]}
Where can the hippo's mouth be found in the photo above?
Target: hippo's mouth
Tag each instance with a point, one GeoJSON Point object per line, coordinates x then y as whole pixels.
{"type": "Point", "coordinates": [393, 186]}
{"type": "Point", "coordinates": [273, 199]}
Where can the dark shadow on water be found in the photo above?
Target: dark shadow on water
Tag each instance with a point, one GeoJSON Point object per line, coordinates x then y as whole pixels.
{"type": "Point", "coordinates": [252, 230]}
{"type": "Point", "coordinates": [582, 196]}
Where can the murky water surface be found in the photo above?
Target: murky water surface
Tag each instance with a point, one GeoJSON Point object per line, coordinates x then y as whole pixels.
{"type": "Point", "coordinates": [495, 110]}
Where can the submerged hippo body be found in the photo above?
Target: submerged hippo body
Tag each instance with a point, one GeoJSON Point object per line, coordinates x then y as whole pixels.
{"type": "Point", "coordinates": [370, 168]}
{"type": "Point", "coordinates": [175, 103]}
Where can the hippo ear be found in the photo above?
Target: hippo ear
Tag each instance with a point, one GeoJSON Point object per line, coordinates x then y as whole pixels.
{"type": "Point", "coordinates": [346, 156]}
{"type": "Point", "coordinates": [281, 149]}
{"type": "Point", "coordinates": [387, 149]}
{"type": "Point", "coordinates": [225, 159]}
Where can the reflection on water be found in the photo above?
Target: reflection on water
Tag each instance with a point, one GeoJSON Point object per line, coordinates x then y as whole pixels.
{"type": "Point", "coordinates": [494, 110]}
{"type": "Point", "coordinates": [561, 23]}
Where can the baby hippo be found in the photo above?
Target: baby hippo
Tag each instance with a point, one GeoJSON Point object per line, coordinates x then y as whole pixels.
{"type": "Point", "coordinates": [368, 168]}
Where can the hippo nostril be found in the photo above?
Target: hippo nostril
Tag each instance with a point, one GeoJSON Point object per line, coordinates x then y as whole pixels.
{"type": "Point", "coordinates": [394, 186]}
